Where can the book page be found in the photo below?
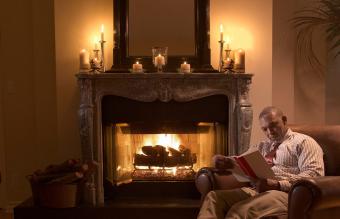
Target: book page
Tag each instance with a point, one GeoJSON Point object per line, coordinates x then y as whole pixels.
{"type": "Point", "coordinates": [249, 163]}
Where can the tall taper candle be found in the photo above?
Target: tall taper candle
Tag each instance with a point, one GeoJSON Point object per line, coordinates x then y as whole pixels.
{"type": "Point", "coordinates": [102, 33]}
{"type": "Point", "coordinates": [221, 32]}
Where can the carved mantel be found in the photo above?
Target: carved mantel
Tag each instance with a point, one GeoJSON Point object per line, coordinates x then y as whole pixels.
{"type": "Point", "coordinates": [164, 87]}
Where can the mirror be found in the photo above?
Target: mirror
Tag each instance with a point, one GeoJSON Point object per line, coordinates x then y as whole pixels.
{"type": "Point", "coordinates": [170, 26]}
{"type": "Point", "coordinates": [182, 26]}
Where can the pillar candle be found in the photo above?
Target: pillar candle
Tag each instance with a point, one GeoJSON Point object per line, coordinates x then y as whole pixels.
{"type": "Point", "coordinates": [240, 60]}
{"type": "Point", "coordinates": [84, 59]}
{"type": "Point", "coordinates": [137, 67]}
{"type": "Point", "coordinates": [185, 67]}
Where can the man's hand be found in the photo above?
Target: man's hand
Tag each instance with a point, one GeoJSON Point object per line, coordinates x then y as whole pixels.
{"type": "Point", "coordinates": [263, 185]}
{"type": "Point", "coordinates": [222, 162]}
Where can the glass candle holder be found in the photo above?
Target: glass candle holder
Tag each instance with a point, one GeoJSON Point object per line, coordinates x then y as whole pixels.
{"type": "Point", "coordinates": [228, 61]}
{"type": "Point", "coordinates": [95, 60]}
{"type": "Point", "coordinates": [159, 57]}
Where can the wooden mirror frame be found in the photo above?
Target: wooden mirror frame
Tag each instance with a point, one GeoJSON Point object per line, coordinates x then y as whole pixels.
{"type": "Point", "coordinates": [200, 61]}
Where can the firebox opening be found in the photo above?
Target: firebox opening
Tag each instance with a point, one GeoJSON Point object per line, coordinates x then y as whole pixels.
{"type": "Point", "coordinates": [165, 145]}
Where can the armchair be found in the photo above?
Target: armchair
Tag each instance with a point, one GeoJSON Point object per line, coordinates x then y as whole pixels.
{"type": "Point", "coordinates": [317, 197]}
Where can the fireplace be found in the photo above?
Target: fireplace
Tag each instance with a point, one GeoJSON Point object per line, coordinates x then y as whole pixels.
{"type": "Point", "coordinates": [161, 140]}
{"type": "Point", "coordinates": [161, 127]}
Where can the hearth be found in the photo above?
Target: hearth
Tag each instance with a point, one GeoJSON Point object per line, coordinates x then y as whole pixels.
{"type": "Point", "coordinates": [161, 127]}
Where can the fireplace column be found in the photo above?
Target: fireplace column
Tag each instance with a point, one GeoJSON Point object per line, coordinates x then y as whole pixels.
{"type": "Point", "coordinates": [244, 116]}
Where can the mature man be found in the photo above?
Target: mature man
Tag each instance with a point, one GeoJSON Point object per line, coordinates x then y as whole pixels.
{"type": "Point", "coordinates": [292, 156]}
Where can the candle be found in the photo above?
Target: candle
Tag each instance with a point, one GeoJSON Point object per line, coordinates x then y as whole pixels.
{"type": "Point", "coordinates": [228, 40]}
{"type": "Point", "coordinates": [228, 63]}
{"type": "Point", "coordinates": [84, 60]}
{"type": "Point", "coordinates": [185, 68]}
{"type": "Point", "coordinates": [102, 33]}
{"type": "Point", "coordinates": [137, 67]}
{"type": "Point", "coordinates": [96, 62]}
{"type": "Point", "coordinates": [95, 43]}
{"type": "Point", "coordinates": [240, 60]}
{"type": "Point", "coordinates": [221, 32]}
{"type": "Point", "coordinates": [159, 60]}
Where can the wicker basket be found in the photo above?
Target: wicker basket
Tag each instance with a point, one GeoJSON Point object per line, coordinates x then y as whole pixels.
{"type": "Point", "coordinates": [55, 195]}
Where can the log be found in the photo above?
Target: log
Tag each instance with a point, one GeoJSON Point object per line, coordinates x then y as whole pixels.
{"type": "Point", "coordinates": [149, 150]}
{"type": "Point", "coordinates": [66, 166]}
{"type": "Point", "coordinates": [68, 178]}
{"type": "Point", "coordinates": [174, 152]}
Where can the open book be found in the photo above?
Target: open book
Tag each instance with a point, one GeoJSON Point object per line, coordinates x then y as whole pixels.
{"type": "Point", "coordinates": [251, 165]}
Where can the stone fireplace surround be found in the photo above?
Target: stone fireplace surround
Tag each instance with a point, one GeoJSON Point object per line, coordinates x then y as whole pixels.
{"type": "Point", "coordinates": [164, 87]}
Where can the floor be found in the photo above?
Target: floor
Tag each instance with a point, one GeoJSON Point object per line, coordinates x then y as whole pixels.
{"type": "Point", "coordinates": [5, 215]}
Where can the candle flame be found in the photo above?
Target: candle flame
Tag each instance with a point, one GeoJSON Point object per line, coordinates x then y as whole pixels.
{"type": "Point", "coordinates": [159, 55]}
{"type": "Point", "coordinates": [96, 39]}
{"type": "Point", "coordinates": [228, 40]}
{"type": "Point", "coordinates": [137, 62]}
{"type": "Point", "coordinates": [221, 28]}
{"type": "Point", "coordinates": [185, 62]}
{"type": "Point", "coordinates": [102, 28]}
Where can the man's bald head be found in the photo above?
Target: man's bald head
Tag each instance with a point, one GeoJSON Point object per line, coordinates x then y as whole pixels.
{"type": "Point", "coordinates": [272, 110]}
{"type": "Point", "coordinates": [273, 123]}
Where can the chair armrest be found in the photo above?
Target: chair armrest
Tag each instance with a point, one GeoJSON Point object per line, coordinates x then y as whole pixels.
{"type": "Point", "coordinates": [208, 178]}
{"type": "Point", "coordinates": [313, 194]}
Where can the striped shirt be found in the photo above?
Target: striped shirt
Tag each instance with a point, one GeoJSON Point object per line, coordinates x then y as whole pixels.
{"type": "Point", "coordinates": [298, 156]}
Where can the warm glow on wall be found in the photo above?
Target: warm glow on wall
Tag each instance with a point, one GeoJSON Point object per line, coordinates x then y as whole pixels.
{"type": "Point", "coordinates": [236, 37]}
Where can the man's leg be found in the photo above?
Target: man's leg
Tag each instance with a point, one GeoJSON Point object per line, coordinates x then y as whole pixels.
{"type": "Point", "coordinates": [217, 203]}
{"type": "Point", "coordinates": [266, 203]}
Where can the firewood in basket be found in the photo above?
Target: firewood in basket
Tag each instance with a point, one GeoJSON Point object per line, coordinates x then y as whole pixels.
{"type": "Point", "coordinates": [88, 169]}
{"type": "Point", "coordinates": [68, 178]}
{"type": "Point", "coordinates": [45, 178]}
{"type": "Point", "coordinates": [66, 166]}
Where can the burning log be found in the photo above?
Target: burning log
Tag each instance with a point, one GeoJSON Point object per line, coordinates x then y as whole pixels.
{"type": "Point", "coordinates": [158, 156]}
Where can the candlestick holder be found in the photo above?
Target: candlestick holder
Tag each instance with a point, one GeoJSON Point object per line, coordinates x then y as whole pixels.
{"type": "Point", "coordinates": [95, 61]}
{"type": "Point", "coordinates": [102, 61]}
{"type": "Point", "coordinates": [228, 62]}
{"type": "Point", "coordinates": [159, 57]}
{"type": "Point", "coordinates": [220, 63]}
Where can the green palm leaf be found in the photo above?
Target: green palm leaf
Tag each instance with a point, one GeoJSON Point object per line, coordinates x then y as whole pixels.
{"type": "Point", "coordinates": [325, 16]}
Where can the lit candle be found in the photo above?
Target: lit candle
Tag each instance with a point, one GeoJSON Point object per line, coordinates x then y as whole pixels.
{"type": "Point", "coordinates": [95, 43]}
{"type": "Point", "coordinates": [96, 62]}
{"type": "Point", "coordinates": [137, 67]}
{"type": "Point", "coordinates": [227, 40]}
{"type": "Point", "coordinates": [228, 63]}
{"type": "Point", "coordinates": [102, 33]}
{"type": "Point", "coordinates": [84, 60]}
{"type": "Point", "coordinates": [159, 60]}
{"type": "Point", "coordinates": [240, 60]}
{"type": "Point", "coordinates": [185, 67]}
{"type": "Point", "coordinates": [221, 32]}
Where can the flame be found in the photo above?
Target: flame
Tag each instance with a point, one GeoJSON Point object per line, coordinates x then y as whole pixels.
{"type": "Point", "coordinates": [166, 140]}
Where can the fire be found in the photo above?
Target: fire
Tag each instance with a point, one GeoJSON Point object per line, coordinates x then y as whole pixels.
{"type": "Point", "coordinates": [166, 140]}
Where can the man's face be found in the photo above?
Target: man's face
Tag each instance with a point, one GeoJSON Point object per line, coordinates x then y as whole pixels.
{"type": "Point", "coordinates": [273, 126]}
